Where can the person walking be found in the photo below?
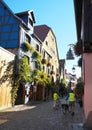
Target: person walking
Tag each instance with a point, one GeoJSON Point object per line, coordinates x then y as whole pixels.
{"type": "Point", "coordinates": [55, 99]}
{"type": "Point", "coordinates": [71, 99]}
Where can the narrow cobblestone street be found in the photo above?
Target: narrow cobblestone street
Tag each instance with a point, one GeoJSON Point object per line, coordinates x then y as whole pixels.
{"type": "Point", "coordinates": [40, 116]}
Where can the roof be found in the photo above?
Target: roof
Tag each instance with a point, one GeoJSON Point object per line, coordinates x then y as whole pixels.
{"type": "Point", "coordinates": [36, 37]}
{"type": "Point", "coordinates": [6, 51]}
{"type": "Point", "coordinates": [26, 13]}
{"type": "Point", "coordinates": [41, 31]}
{"type": "Point", "coordinates": [78, 16]}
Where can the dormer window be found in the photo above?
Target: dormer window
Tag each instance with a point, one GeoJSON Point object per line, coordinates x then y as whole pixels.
{"type": "Point", "coordinates": [30, 22]}
{"type": "Point", "coordinates": [27, 38]}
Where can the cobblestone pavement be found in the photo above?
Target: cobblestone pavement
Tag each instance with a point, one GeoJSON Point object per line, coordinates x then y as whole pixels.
{"type": "Point", "coordinates": [40, 116]}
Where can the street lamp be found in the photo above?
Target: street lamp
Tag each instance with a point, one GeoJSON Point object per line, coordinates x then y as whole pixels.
{"type": "Point", "coordinates": [73, 69]}
{"type": "Point", "coordinates": [70, 56]}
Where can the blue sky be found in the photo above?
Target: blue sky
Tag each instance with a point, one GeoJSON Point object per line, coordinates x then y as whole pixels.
{"type": "Point", "coordinates": [57, 14]}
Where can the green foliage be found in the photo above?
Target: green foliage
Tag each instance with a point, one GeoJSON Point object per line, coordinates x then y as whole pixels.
{"type": "Point", "coordinates": [29, 46]}
{"type": "Point", "coordinates": [36, 55]}
{"type": "Point", "coordinates": [14, 91]}
{"type": "Point", "coordinates": [52, 72]}
{"type": "Point", "coordinates": [21, 73]}
{"type": "Point", "coordinates": [48, 64]}
{"type": "Point", "coordinates": [80, 88]}
{"type": "Point", "coordinates": [63, 87]}
{"type": "Point", "coordinates": [78, 48]}
{"type": "Point", "coordinates": [41, 78]}
{"type": "Point", "coordinates": [24, 70]}
{"type": "Point", "coordinates": [40, 64]}
{"type": "Point", "coordinates": [44, 61]}
{"type": "Point", "coordinates": [63, 82]}
{"type": "Point", "coordinates": [55, 87]}
{"type": "Point", "coordinates": [15, 81]}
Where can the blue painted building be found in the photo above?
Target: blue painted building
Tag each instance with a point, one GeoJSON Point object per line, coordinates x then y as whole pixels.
{"type": "Point", "coordinates": [15, 30]}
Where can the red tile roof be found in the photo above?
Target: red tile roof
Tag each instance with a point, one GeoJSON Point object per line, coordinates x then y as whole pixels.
{"type": "Point", "coordinates": [41, 31]}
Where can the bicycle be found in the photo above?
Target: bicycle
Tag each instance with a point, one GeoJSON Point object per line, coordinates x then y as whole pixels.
{"type": "Point", "coordinates": [57, 104]}
{"type": "Point", "coordinates": [65, 108]}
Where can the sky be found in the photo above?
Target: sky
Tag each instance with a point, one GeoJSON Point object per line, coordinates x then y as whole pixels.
{"type": "Point", "coordinates": [57, 14]}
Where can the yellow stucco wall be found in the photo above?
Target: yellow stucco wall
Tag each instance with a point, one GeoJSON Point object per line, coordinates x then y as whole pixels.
{"type": "Point", "coordinates": [51, 48]}
{"type": "Point", "coordinates": [5, 82]}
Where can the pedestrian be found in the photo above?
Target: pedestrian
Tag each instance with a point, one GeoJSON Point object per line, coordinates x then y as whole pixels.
{"type": "Point", "coordinates": [55, 99]}
{"type": "Point", "coordinates": [64, 105]}
{"type": "Point", "coordinates": [71, 99]}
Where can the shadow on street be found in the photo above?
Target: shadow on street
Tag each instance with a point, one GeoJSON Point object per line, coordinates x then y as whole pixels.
{"type": "Point", "coordinates": [39, 116]}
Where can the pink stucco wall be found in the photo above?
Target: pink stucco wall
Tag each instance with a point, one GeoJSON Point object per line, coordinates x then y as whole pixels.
{"type": "Point", "coordinates": [88, 87]}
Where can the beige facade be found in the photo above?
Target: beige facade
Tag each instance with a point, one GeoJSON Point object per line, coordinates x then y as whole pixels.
{"type": "Point", "coordinates": [6, 71]}
{"type": "Point", "coordinates": [49, 46]}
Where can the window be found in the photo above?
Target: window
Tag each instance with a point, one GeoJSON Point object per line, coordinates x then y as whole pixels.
{"type": "Point", "coordinates": [52, 67]}
{"type": "Point", "coordinates": [30, 21]}
{"type": "Point", "coordinates": [44, 54]}
{"type": "Point", "coordinates": [27, 38]}
{"type": "Point", "coordinates": [37, 47]}
{"type": "Point", "coordinates": [57, 70]}
{"type": "Point", "coordinates": [48, 58]}
{"type": "Point", "coordinates": [48, 71]}
{"type": "Point", "coordinates": [46, 43]}
{"type": "Point", "coordinates": [36, 65]}
{"type": "Point", "coordinates": [43, 68]}
{"type": "Point", "coordinates": [52, 50]}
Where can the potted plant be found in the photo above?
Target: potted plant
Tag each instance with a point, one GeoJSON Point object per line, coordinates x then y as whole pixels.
{"type": "Point", "coordinates": [79, 90]}
{"type": "Point", "coordinates": [78, 49]}
{"type": "Point", "coordinates": [48, 64]}
{"type": "Point", "coordinates": [44, 61]}
{"type": "Point", "coordinates": [52, 72]}
{"type": "Point", "coordinates": [57, 74]}
{"type": "Point", "coordinates": [36, 55]}
{"type": "Point", "coordinates": [80, 62]}
{"type": "Point", "coordinates": [27, 46]}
